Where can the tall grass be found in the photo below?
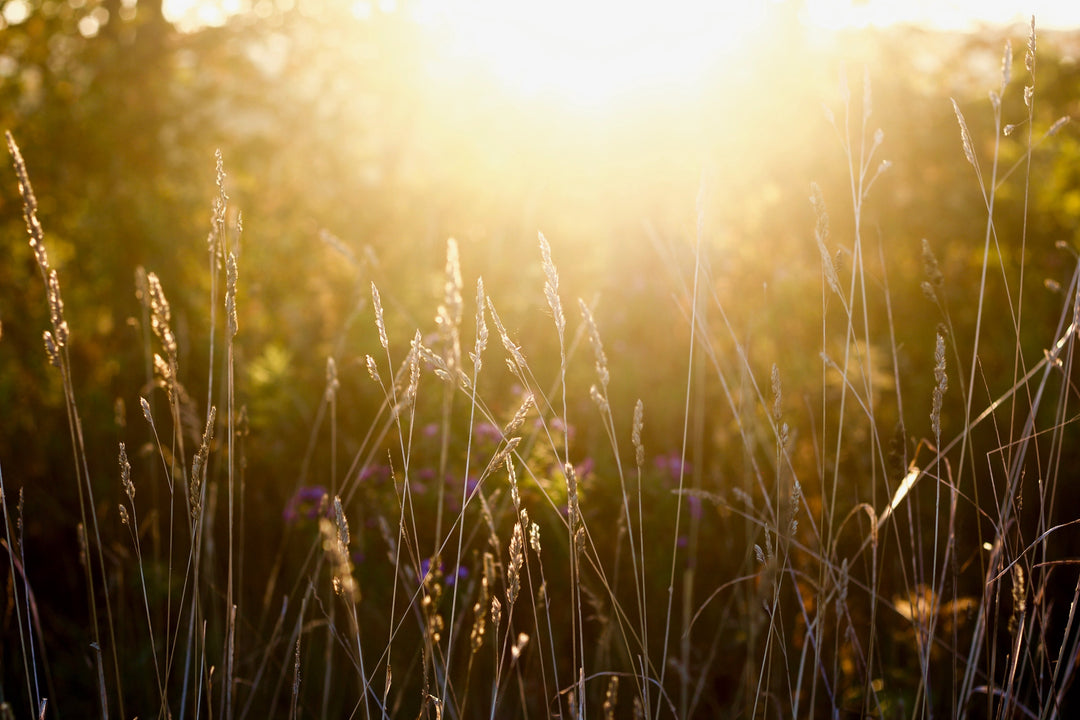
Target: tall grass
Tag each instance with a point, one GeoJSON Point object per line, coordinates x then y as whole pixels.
{"type": "Point", "coordinates": [834, 572]}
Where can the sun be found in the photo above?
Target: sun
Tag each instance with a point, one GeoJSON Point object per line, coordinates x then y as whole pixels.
{"type": "Point", "coordinates": [590, 51]}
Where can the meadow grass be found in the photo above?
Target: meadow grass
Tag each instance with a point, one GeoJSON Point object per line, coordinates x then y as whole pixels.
{"type": "Point", "coordinates": [471, 557]}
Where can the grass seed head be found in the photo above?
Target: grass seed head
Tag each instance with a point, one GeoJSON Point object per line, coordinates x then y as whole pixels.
{"type": "Point", "coordinates": [941, 384]}
{"type": "Point", "coordinates": [778, 404]}
{"type": "Point", "coordinates": [515, 361]}
{"type": "Point", "coordinates": [571, 496]}
{"type": "Point", "coordinates": [199, 464]}
{"type": "Point", "coordinates": [125, 474]}
{"type": "Point", "coordinates": [56, 310]}
{"type": "Point", "coordinates": [821, 236]}
{"type": "Point", "coordinates": [373, 369]}
{"type": "Point", "coordinates": [1006, 65]}
{"type": "Point", "coordinates": [30, 206]}
{"type": "Point", "coordinates": [380, 324]}
{"type": "Point", "coordinates": [479, 627]}
{"type": "Point", "coordinates": [335, 541]}
{"type": "Point", "coordinates": [598, 346]}
{"type": "Point", "coordinates": [160, 314]}
{"type": "Point", "coordinates": [342, 522]}
{"type": "Point", "coordinates": [796, 500]}
{"type": "Point", "coordinates": [52, 351]}
{"type": "Point", "coordinates": [599, 399]}
{"type": "Point", "coordinates": [635, 433]}
{"type": "Point", "coordinates": [534, 538]}
{"type": "Point", "coordinates": [1029, 56]}
{"type": "Point", "coordinates": [515, 496]}
{"type": "Point", "coordinates": [513, 570]}
{"type": "Point", "coordinates": [481, 325]}
{"type": "Point", "coordinates": [163, 371]}
{"type": "Point", "coordinates": [1019, 596]}
{"type": "Point", "coordinates": [230, 294]}
{"type": "Point", "coordinates": [520, 416]}
{"type": "Point", "coordinates": [489, 569]}
{"type": "Point", "coordinates": [965, 135]}
{"type": "Point", "coordinates": [416, 350]}
{"type": "Point", "coordinates": [551, 287]}
{"type": "Point", "coordinates": [930, 266]}
{"type": "Point", "coordinates": [332, 383]}
{"type": "Point", "coordinates": [216, 239]}
{"type": "Point", "coordinates": [500, 457]}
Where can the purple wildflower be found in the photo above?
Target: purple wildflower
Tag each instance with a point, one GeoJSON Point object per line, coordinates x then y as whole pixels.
{"type": "Point", "coordinates": [448, 580]}
{"type": "Point", "coordinates": [673, 464]}
{"type": "Point", "coordinates": [487, 432]}
{"type": "Point", "coordinates": [373, 472]}
{"type": "Point", "coordinates": [304, 503]}
{"type": "Point", "coordinates": [694, 502]}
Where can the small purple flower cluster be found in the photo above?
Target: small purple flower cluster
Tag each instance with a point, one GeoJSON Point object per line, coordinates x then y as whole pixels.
{"type": "Point", "coordinates": [673, 464]}
{"type": "Point", "coordinates": [693, 503]}
{"type": "Point", "coordinates": [487, 432]}
{"type": "Point", "coordinates": [448, 580]}
{"type": "Point", "coordinates": [304, 504]}
{"type": "Point", "coordinates": [584, 468]}
{"type": "Point", "coordinates": [377, 473]}
{"type": "Point", "coordinates": [556, 425]}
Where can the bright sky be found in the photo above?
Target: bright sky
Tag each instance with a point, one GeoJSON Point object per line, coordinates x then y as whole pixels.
{"type": "Point", "coordinates": [591, 50]}
{"type": "Point", "coordinates": [581, 46]}
{"type": "Point", "coordinates": [943, 14]}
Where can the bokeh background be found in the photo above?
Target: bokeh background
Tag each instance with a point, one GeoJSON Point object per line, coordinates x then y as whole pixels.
{"type": "Point", "coordinates": [358, 137]}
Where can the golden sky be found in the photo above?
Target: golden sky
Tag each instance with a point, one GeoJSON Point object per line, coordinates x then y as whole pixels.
{"type": "Point", "coordinates": [591, 50]}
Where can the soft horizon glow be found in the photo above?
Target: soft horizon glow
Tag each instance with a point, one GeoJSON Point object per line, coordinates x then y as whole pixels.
{"type": "Point", "coordinates": [190, 15]}
{"type": "Point", "coordinates": [591, 51]}
{"type": "Point", "coordinates": [955, 15]}
{"type": "Point", "coordinates": [827, 14]}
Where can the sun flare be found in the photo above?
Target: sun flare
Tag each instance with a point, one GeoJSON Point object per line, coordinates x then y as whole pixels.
{"type": "Point", "coordinates": [589, 51]}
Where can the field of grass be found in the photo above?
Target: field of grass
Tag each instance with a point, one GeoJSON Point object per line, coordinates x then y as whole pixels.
{"type": "Point", "coordinates": [516, 532]}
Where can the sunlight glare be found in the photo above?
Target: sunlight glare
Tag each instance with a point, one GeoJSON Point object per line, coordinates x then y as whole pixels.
{"type": "Point", "coordinates": [190, 15]}
{"type": "Point", "coordinates": [948, 15]}
{"type": "Point", "coordinates": [592, 50]}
